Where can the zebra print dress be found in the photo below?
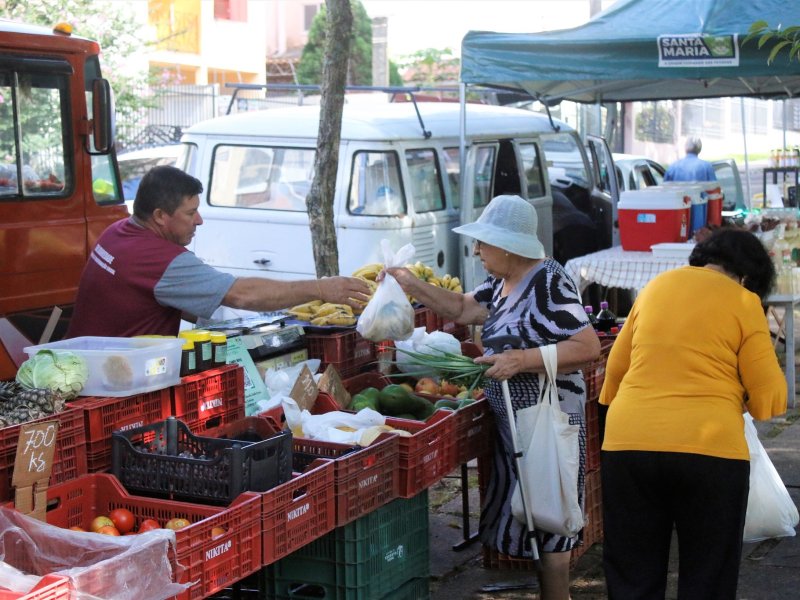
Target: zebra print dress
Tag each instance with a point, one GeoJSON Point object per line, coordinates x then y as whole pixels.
{"type": "Point", "coordinates": [544, 308]}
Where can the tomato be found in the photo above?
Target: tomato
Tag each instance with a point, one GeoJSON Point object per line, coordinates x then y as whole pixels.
{"type": "Point", "coordinates": [123, 519]}
{"type": "Point", "coordinates": [148, 525]}
{"type": "Point", "coordinates": [177, 523]}
{"type": "Point", "coordinates": [99, 522]}
{"type": "Point", "coordinates": [108, 530]}
{"type": "Point", "coordinates": [217, 531]}
{"type": "Point", "coordinates": [76, 528]}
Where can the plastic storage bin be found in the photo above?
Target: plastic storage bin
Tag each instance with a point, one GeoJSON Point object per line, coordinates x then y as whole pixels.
{"type": "Point", "coordinates": [166, 460]}
{"type": "Point", "coordinates": [123, 366]}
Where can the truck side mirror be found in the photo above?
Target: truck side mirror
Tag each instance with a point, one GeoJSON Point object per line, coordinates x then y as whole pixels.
{"type": "Point", "coordinates": [103, 117]}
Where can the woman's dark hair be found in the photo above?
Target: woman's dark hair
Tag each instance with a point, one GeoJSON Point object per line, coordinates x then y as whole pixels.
{"type": "Point", "coordinates": [740, 253]}
{"type": "Point", "coordinates": [164, 187]}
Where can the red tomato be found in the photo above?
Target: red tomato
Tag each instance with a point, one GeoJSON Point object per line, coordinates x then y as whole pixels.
{"type": "Point", "coordinates": [108, 530]}
{"type": "Point", "coordinates": [99, 522]}
{"type": "Point", "coordinates": [177, 523]}
{"type": "Point", "coordinates": [123, 519]}
{"type": "Point", "coordinates": [148, 525]}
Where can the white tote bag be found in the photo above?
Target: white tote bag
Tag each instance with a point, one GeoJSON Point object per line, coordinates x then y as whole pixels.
{"type": "Point", "coordinates": [770, 510]}
{"type": "Point", "coordinates": [550, 459]}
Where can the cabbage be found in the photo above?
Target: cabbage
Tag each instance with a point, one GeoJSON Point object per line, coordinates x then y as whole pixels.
{"type": "Point", "coordinates": [63, 372]}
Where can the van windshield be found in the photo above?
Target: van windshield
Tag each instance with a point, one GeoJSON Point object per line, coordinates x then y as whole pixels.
{"type": "Point", "coordinates": [375, 187]}
{"type": "Point", "coordinates": [263, 177]}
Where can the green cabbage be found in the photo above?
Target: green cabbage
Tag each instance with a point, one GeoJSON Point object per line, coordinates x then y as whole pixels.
{"type": "Point", "coordinates": [63, 372]}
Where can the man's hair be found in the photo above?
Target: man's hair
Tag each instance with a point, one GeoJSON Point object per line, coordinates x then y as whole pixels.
{"type": "Point", "coordinates": [740, 253]}
{"type": "Point", "coordinates": [164, 187]}
{"type": "Point", "coordinates": [694, 145]}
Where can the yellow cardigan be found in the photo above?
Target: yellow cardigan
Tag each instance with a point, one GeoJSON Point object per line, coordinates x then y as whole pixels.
{"type": "Point", "coordinates": [694, 344]}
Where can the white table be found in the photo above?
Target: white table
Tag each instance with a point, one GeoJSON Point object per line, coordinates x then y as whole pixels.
{"type": "Point", "coordinates": [615, 267]}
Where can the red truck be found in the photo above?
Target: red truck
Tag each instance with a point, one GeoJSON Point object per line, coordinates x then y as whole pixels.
{"type": "Point", "coordinates": [59, 180]}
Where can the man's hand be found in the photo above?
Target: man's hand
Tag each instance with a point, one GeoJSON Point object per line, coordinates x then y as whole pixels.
{"type": "Point", "coordinates": [344, 290]}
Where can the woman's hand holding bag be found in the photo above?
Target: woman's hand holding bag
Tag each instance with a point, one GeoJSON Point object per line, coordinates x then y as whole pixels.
{"type": "Point", "coordinates": [550, 460]}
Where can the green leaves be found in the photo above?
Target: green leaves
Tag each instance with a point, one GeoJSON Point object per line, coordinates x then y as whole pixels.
{"type": "Point", "coordinates": [783, 39]}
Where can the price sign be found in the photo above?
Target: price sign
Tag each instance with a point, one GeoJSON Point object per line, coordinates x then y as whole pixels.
{"type": "Point", "coordinates": [305, 390]}
{"type": "Point", "coordinates": [331, 383]}
{"type": "Point", "coordinates": [34, 462]}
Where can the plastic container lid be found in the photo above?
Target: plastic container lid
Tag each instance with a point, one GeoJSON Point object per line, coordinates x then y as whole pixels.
{"type": "Point", "coordinates": [218, 338]}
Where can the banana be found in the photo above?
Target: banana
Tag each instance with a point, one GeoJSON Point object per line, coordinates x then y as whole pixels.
{"type": "Point", "coordinates": [341, 319]}
{"type": "Point", "coordinates": [306, 306]}
{"type": "Point", "coordinates": [369, 271]}
{"type": "Point", "coordinates": [446, 280]}
{"type": "Point", "coordinates": [300, 315]}
{"type": "Point", "coordinates": [329, 309]}
{"type": "Point", "coordinates": [435, 281]}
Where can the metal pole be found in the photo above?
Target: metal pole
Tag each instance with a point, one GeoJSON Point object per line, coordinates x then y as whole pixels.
{"type": "Point", "coordinates": [748, 195]}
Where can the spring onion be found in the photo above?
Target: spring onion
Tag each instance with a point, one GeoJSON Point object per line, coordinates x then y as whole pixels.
{"type": "Point", "coordinates": [456, 368]}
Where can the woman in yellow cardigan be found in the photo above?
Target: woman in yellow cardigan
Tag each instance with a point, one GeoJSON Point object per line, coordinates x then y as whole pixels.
{"type": "Point", "coordinates": [694, 353]}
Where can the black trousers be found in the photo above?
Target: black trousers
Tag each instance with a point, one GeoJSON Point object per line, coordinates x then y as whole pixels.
{"type": "Point", "coordinates": [645, 496]}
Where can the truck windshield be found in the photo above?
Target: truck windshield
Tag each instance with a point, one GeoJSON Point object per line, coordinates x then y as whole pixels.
{"type": "Point", "coordinates": [33, 134]}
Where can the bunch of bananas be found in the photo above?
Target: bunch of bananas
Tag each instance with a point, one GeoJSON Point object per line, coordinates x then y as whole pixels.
{"type": "Point", "coordinates": [420, 270]}
{"type": "Point", "coordinates": [447, 282]}
{"type": "Point", "coordinates": [321, 313]}
{"type": "Point", "coordinates": [368, 272]}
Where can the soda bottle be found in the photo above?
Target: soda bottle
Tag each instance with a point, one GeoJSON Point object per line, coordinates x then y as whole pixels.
{"type": "Point", "coordinates": [605, 318]}
{"type": "Point", "coordinates": [590, 313]}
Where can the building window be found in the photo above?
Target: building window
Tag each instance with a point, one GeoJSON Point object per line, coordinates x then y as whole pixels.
{"type": "Point", "coordinates": [309, 12]}
{"type": "Point", "coordinates": [755, 114]}
{"type": "Point", "coordinates": [230, 10]}
{"type": "Point", "coordinates": [703, 118]}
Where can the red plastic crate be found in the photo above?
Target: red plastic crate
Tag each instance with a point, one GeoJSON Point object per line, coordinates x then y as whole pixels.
{"type": "Point", "coordinates": [475, 430]}
{"type": "Point", "coordinates": [428, 454]}
{"type": "Point", "coordinates": [365, 479]}
{"type": "Point", "coordinates": [592, 435]}
{"type": "Point", "coordinates": [593, 510]}
{"type": "Point", "coordinates": [50, 587]}
{"type": "Point", "coordinates": [298, 512]}
{"type": "Point", "coordinates": [347, 351]}
{"type": "Point", "coordinates": [212, 562]}
{"type": "Point", "coordinates": [209, 399]}
{"type": "Point", "coordinates": [594, 374]}
{"type": "Point", "coordinates": [69, 460]}
{"type": "Point", "coordinates": [458, 331]}
{"type": "Point", "coordinates": [423, 317]}
{"type": "Point", "coordinates": [102, 416]}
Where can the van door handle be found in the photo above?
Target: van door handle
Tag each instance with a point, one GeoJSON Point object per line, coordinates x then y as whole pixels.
{"type": "Point", "coordinates": [262, 261]}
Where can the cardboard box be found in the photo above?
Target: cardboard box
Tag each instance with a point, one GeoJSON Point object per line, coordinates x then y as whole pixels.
{"type": "Point", "coordinates": [653, 216]}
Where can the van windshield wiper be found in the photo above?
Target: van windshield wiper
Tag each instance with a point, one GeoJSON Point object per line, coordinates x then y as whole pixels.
{"type": "Point", "coordinates": [408, 91]}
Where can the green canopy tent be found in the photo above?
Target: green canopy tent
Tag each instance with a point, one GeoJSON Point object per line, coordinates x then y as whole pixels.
{"type": "Point", "coordinates": [640, 50]}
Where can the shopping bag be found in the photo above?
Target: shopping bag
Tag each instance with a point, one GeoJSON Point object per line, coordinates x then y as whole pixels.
{"type": "Point", "coordinates": [771, 512]}
{"type": "Point", "coordinates": [550, 459]}
{"type": "Point", "coordinates": [389, 315]}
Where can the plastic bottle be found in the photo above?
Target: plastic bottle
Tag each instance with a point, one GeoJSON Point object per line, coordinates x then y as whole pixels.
{"type": "Point", "coordinates": [605, 318]}
{"type": "Point", "coordinates": [219, 349]}
{"type": "Point", "coordinates": [590, 313]}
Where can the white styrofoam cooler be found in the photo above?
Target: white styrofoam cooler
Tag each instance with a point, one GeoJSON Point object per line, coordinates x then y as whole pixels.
{"type": "Point", "coordinates": [652, 216]}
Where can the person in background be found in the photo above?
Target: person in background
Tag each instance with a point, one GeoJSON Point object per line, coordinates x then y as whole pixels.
{"type": "Point", "coordinates": [691, 167]}
{"type": "Point", "coordinates": [140, 278]}
{"type": "Point", "coordinates": [693, 354]}
{"type": "Point", "coordinates": [530, 296]}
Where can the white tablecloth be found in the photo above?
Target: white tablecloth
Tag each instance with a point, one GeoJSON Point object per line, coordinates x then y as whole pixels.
{"type": "Point", "coordinates": [618, 268]}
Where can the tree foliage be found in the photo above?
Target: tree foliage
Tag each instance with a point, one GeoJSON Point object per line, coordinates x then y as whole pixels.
{"type": "Point", "coordinates": [108, 23]}
{"type": "Point", "coordinates": [782, 40]}
{"type": "Point", "coordinates": [431, 66]}
{"type": "Point", "coordinates": [359, 65]}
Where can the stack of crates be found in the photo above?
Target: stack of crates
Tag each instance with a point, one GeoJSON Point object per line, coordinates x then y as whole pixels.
{"type": "Point", "coordinates": [381, 556]}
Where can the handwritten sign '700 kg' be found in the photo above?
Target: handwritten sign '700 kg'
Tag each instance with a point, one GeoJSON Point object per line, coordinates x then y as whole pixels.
{"type": "Point", "coordinates": [35, 450]}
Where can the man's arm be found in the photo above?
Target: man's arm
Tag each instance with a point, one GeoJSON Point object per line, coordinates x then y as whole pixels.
{"type": "Point", "coordinates": [258, 294]}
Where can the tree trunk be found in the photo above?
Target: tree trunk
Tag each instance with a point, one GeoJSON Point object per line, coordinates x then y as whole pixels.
{"type": "Point", "coordinates": [320, 198]}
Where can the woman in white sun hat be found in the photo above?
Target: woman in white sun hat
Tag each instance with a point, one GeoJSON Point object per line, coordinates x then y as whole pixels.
{"type": "Point", "coordinates": [530, 296]}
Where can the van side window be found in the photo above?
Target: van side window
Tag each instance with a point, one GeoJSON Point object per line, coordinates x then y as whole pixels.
{"type": "Point", "coordinates": [452, 166]}
{"type": "Point", "coordinates": [424, 180]}
{"type": "Point", "coordinates": [485, 158]}
{"type": "Point", "coordinates": [375, 187]}
{"type": "Point", "coordinates": [33, 134]}
{"type": "Point", "coordinates": [261, 177]}
{"type": "Point", "coordinates": [533, 170]}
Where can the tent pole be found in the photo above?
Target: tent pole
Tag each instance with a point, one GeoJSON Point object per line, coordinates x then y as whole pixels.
{"type": "Point", "coordinates": [748, 195]}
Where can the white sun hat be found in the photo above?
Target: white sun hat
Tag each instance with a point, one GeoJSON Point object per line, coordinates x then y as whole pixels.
{"type": "Point", "coordinates": [508, 222]}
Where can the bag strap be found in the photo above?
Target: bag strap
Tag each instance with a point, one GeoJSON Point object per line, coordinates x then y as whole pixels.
{"type": "Point", "coordinates": [548, 378]}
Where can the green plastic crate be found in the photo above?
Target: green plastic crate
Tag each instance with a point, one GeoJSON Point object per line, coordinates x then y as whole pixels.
{"type": "Point", "coordinates": [373, 557]}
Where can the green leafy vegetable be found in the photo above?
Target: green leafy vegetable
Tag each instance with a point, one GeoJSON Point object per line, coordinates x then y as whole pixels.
{"type": "Point", "coordinates": [63, 372]}
{"type": "Point", "coordinates": [456, 368]}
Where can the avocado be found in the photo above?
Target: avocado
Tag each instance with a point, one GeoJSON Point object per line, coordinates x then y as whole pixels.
{"type": "Point", "coordinates": [446, 403]}
{"type": "Point", "coordinates": [396, 400]}
{"type": "Point", "coordinates": [366, 398]}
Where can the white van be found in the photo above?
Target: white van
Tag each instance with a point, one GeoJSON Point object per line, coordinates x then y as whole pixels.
{"type": "Point", "coordinates": [398, 178]}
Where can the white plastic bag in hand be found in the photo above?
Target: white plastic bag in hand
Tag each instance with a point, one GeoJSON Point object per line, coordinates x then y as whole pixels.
{"type": "Point", "coordinates": [389, 315]}
{"type": "Point", "coordinates": [770, 510]}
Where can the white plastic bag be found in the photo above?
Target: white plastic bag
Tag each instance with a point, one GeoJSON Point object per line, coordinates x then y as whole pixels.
{"type": "Point", "coordinates": [425, 343]}
{"type": "Point", "coordinates": [389, 315]}
{"type": "Point", "coordinates": [550, 460]}
{"type": "Point", "coordinates": [770, 510]}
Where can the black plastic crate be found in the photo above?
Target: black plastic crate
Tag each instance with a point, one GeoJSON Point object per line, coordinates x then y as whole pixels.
{"type": "Point", "coordinates": [166, 460]}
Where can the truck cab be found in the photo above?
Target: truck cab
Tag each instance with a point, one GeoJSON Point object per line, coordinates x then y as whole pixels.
{"type": "Point", "coordinates": [56, 131]}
